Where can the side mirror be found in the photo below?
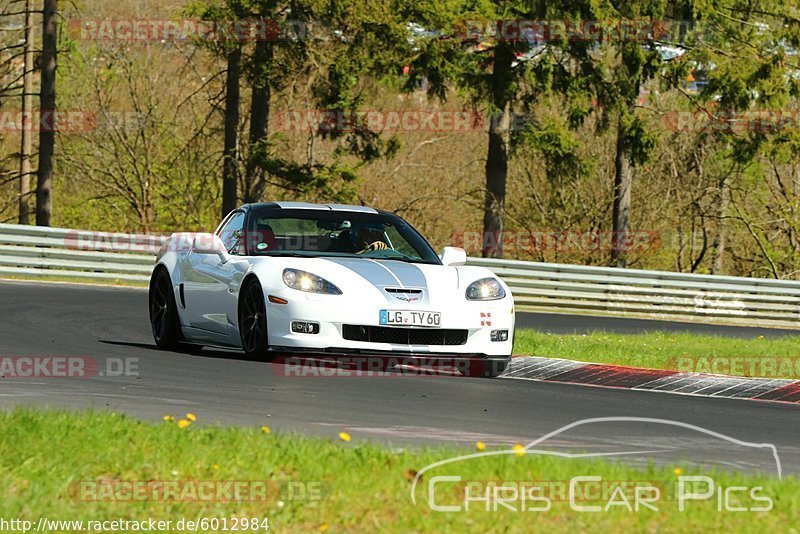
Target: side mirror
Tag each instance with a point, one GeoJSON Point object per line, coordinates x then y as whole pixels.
{"type": "Point", "coordinates": [210, 244]}
{"type": "Point", "coordinates": [453, 256]}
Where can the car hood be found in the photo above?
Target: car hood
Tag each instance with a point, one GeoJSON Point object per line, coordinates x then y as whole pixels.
{"type": "Point", "coordinates": [364, 276]}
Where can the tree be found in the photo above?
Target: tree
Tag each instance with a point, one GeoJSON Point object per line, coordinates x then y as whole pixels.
{"type": "Point", "coordinates": [748, 52]}
{"type": "Point", "coordinates": [299, 40]}
{"type": "Point", "coordinates": [230, 174]}
{"type": "Point", "coordinates": [47, 136]}
{"type": "Point", "coordinates": [148, 162]}
{"type": "Point", "coordinates": [261, 70]}
{"type": "Point", "coordinates": [500, 83]}
{"type": "Point", "coordinates": [16, 63]}
{"type": "Point", "coordinates": [26, 141]}
{"type": "Point", "coordinates": [614, 65]}
{"type": "Point", "coordinates": [485, 66]}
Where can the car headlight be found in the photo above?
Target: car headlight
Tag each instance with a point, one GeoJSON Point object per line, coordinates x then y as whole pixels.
{"type": "Point", "coordinates": [485, 289]}
{"type": "Point", "coordinates": [311, 283]}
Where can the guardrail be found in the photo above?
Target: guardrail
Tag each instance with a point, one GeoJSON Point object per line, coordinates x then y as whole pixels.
{"type": "Point", "coordinates": [35, 251]}
{"type": "Point", "coordinates": [30, 251]}
{"type": "Point", "coordinates": [649, 294]}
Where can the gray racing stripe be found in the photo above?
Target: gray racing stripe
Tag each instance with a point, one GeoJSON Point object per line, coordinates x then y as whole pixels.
{"type": "Point", "coordinates": [385, 273]}
{"type": "Point", "coordinates": [374, 274]}
{"type": "Point", "coordinates": [409, 274]}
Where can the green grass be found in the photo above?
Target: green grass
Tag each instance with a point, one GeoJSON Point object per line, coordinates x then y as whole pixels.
{"type": "Point", "coordinates": [773, 358]}
{"type": "Point", "coordinates": [361, 487]}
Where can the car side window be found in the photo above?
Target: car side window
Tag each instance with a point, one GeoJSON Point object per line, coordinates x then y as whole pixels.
{"type": "Point", "coordinates": [231, 233]}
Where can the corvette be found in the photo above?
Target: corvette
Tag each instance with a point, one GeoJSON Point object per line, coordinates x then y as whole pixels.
{"type": "Point", "coordinates": [280, 278]}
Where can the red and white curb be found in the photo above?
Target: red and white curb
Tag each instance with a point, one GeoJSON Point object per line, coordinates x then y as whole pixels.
{"type": "Point", "coordinates": [615, 376]}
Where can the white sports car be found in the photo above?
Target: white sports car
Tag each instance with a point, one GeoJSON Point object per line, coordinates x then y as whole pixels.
{"type": "Point", "coordinates": [286, 278]}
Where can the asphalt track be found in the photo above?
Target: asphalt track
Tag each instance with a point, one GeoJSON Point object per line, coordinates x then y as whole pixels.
{"type": "Point", "coordinates": [109, 324]}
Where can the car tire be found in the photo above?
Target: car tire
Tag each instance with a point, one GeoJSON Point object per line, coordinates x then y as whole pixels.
{"type": "Point", "coordinates": [253, 320]}
{"type": "Point", "coordinates": [164, 320]}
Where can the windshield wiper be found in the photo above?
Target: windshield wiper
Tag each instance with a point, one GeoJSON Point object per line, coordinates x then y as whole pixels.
{"type": "Point", "coordinates": [283, 254]}
{"type": "Point", "coordinates": [407, 260]}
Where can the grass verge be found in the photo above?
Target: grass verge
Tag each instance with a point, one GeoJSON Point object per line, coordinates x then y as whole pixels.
{"type": "Point", "coordinates": [48, 460]}
{"type": "Point", "coordinates": [75, 280]}
{"type": "Point", "coordinates": [758, 357]}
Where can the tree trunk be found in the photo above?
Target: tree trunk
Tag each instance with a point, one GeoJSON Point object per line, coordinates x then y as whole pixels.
{"type": "Point", "coordinates": [497, 155]}
{"type": "Point", "coordinates": [720, 239]}
{"type": "Point", "coordinates": [255, 184]}
{"type": "Point", "coordinates": [26, 144]}
{"type": "Point", "coordinates": [231, 150]}
{"type": "Point", "coordinates": [623, 179]}
{"type": "Point", "coordinates": [47, 134]}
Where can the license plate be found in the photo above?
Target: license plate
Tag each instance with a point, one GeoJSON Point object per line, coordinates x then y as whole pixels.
{"type": "Point", "coordinates": [410, 318]}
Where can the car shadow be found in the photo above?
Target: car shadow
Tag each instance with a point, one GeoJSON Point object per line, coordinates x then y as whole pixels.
{"type": "Point", "coordinates": [308, 365]}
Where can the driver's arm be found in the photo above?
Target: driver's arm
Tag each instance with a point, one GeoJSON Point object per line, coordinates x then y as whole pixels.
{"type": "Point", "coordinates": [375, 245]}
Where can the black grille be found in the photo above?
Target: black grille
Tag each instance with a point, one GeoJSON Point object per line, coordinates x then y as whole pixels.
{"type": "Point", "coordinates": [404, 336]}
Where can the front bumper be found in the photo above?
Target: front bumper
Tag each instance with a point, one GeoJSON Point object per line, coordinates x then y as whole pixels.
{"type": "Point", "coordinates": [331, 313]}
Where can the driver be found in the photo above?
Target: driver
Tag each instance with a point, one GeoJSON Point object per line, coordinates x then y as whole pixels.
{"type": "Point", "coordinates": [370, 238]}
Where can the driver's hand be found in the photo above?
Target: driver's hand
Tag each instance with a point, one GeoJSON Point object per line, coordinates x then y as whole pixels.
{"type": "Point", "coordinates": [376, 245]}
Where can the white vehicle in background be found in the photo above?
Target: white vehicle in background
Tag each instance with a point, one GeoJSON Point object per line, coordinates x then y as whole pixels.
{"type": "Point", "coordinates": [293, 278]}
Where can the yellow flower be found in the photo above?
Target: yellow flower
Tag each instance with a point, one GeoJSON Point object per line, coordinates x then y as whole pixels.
{"type": "Point", "coordinates": [481, 446]}
{"type": "Point", "coordinates": [191, 417]}
{"type": "Point", "coordinates": [265, 429]}
{"type": "Point", "coordinates": [215, 467]}
{"type": "Point", "coordinates": [344, 436]}
{"type": "Point", "coordinates": [324, 527]}
{"type": "Point", "coordinates": [518, 449]}
{"type": "Point", "coordinates": [183, 423]}
{"type": "Point", "coordinates": [169, 418]}
{"type": "Point", "coordinates": [678, 471]}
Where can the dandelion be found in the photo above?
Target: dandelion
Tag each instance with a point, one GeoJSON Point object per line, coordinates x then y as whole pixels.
{"type": "Point", "coordinates": [169, 419]}
{"type": "Point", "coordinates": [518, 449]}
{"type": "Point", "coordinates": [344, 436]}
{"type": "Point", "coordinates": [410, 474]}
{"type": "Point", "coordinates": [481, 446]}
{"type": "Point", "coordinates": [324, 527]}
{"type": "Point", "coordinates": [265, 429]}
{"type": "Point", "coordinates": [183, 423]}
{"type": "Point", "coordinates": [678, 471]}
{"type": "Point", "coordinates": [191, 417]}
{"type": "Point", "coordinates": [215, 467]}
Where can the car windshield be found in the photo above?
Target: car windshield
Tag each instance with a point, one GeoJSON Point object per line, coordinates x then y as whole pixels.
{"type": "Point", "coordinates": [325, 233]}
